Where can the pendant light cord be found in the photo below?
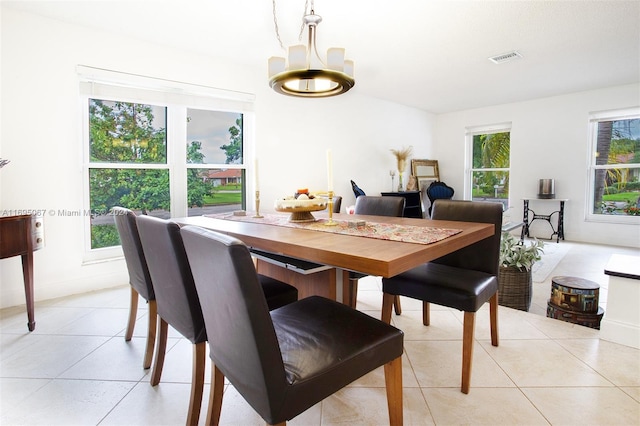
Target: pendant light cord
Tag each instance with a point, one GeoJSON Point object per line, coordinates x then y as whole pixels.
{"type": "Point", "coordinates": [275, 22]}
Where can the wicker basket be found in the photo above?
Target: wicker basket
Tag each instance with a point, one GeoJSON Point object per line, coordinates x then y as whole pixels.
{"type": "Point", "coordinates": [514, 288]}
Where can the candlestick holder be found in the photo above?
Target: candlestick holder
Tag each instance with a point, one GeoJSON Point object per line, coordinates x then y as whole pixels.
{"type": "Point", "coordinates": [330, 222]}
{"type": "Point", "coordinates": [258, 215]}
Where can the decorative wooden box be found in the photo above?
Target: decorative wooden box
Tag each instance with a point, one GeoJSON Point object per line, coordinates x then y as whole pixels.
{"type": "Point", "coordinates": [575, 300]}
{"type": "Point", "coordinates": [575, 294]}
{"type": "Point", "coordinates": [581, 318]}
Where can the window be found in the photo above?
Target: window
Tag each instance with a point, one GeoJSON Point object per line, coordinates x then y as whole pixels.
{"type": "Point", "coordinates": [614, 169]}
{"type": "Point", "coordinates": [160, 154]}
{"type": "Point", "coordinates": [488, 174]}
{"type": "Point", "coordinates": [214, 137]}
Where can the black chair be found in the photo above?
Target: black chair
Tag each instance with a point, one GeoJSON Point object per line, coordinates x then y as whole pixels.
{"type": "Point", "coordinates": [283, 363]}
{"type": "Point", "coordinates": [375, 206]}
{"type": "Point", "coordinates": [464, 280]}
{"type": "Point", "coordinates": [178, 303]}
{"type": "Point", "coordinates": [356, 190]}
{"type": "Point", "coordinates": [139, 277]}
{"type": "Point", "coordinates": [439, 191]}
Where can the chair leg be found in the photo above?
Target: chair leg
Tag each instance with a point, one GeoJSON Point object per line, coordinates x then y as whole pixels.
{"type": "Point", "coordinates": [133, 311]}
{"type": "Point", "coordinates": [393, 382]}
{"type": "Point", "coordinates": [426, 313]}
{"type": "Point", "coordinates": [158, 363]}
{"type": "Point", "coordinates": [493, 312]}
{"type": "Point", "coordinates": [387, 304]}
{"type": "Point", "coordinates": [353, 292]}
{"type": "Point", "coordinates": [467, 349]}
{"type": "Point", "coordinates": [215, 396]}
{"type": "Point", "coordinates": [346, 288]}
{"type": "Point", "coordinates": [151, 333]}
{"type": "Point", "coordinates": [353, 297]}
{"type": "Point", "coordinates": [396, 305]}
{"type": "Point", "coordinates": [197, 382]}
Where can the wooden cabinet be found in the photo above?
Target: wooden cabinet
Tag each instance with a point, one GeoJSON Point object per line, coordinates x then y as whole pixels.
{"type": "Point", "coordinates": [20, 236]}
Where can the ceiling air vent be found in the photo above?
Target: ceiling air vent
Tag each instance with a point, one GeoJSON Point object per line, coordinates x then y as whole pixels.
{"type": "Point", "coordinates": [505, 57]}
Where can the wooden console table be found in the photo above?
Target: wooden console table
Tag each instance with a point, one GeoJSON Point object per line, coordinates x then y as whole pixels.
{"type": "Point", "coordinates": [21, 236]}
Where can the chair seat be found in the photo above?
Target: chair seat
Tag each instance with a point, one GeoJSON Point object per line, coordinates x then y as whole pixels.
{"type": "Point", "coordinates": [277, 293]}
{"type": "Point", "coordinates": [317, 335]}
{"type": "Point", "coordinates": [463, 289]}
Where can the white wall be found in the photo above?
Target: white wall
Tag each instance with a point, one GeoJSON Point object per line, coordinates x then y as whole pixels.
{"type": "Point", "coordinates": [41, 134]}
{"type": "Point", "coordinates": [549, 140]}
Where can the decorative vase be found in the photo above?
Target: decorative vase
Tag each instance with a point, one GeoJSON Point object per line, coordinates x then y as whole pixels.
{"type": "Point", "coordinates": [514, 288]}
{"type": "Point", "coordinates": [399, 181]}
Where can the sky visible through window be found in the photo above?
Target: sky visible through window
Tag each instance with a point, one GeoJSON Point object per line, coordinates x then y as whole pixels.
{"type": "Point", "coordinates": [211, 128]}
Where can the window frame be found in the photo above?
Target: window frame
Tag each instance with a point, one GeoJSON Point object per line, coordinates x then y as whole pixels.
{"type": "Point", "coordinates": [177, 97]}
{"type": "Point", "coordinates": [472, 131]}
{"type": "Point", "coordinates": [594, 119]}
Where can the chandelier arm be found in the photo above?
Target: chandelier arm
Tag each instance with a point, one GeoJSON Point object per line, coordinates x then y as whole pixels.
{"type": "Point", "coordinates": [313, 45]}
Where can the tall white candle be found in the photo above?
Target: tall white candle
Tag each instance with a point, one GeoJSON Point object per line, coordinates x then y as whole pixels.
{"type": "Point", "coordinates": [329, 171]}
{"type": "Point", "coordinates": [255, 175]}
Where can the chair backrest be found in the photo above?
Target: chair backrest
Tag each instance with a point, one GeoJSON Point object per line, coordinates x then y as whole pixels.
{"type": "Point", "coordinates": [244, 345]}
{"type": "Point", "coordinates": [176, 294]}
{"type": "Point", "coordinates": [485, 254]}
{"type": "Point", "coordinates": [439, 191]}
{"type": "Point", "coordinates": [337, 203]}
{"type": "Point", "coordinates": [379, 206]}
{"type": "Point", "coordinates": [139, 277]}
{"type": "Point", "coordinates": [356, 190]}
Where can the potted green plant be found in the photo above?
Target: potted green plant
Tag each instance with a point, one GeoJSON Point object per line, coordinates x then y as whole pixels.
{"type": "Point", "coordinates": [514, 277]}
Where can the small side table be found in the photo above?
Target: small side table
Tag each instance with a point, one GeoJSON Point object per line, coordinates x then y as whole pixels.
{"type": "Point", "coordinates": [558, 232]}
{"type": "Point", "coordinates": [20, 236]}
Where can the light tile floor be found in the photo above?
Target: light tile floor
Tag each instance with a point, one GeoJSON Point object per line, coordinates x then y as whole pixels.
{"type": "Point", "coordinates": [76, 369]}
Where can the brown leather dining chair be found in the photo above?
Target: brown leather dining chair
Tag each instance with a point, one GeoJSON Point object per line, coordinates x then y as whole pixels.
{"type": "Point", "coordinates": [177, 300]}
{"type": "Point", "coordinates": [465, 279]}
{"type": "Point", "coordinates": [139, 278]}
{"type": "Point", "coordinates": [374, 206]}
{"type": "Point", "coordinates": [337, 203]}
{"type": "Point", "coordinates": [286, 361]}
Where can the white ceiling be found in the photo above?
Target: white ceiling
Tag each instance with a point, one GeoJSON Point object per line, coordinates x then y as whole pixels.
{"type": "Point", "coordinates": [422, 53]}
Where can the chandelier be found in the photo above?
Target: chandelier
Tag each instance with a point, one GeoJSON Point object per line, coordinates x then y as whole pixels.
{"type": "Point", "coordinates": [303, 73]}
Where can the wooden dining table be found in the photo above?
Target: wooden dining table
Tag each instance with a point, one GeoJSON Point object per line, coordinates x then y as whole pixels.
{"type": "Point", "coordinates": [343, 253]}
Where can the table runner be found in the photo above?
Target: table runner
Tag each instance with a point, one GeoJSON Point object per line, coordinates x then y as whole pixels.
{"type": "Point", "coordinates": [382, 231]}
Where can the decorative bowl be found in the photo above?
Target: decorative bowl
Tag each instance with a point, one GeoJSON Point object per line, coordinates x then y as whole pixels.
{"type": "Point", "coordinates": [302, 213]}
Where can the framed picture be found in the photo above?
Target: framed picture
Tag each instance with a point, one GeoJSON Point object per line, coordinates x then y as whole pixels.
{"type": "Point", "coordinates": [412, 185]}
{"type": "Point", "coordinates": [424, 183]}
{"type": "Point", "coordinates": [425, 172]}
